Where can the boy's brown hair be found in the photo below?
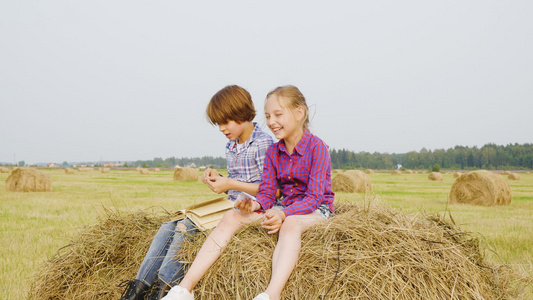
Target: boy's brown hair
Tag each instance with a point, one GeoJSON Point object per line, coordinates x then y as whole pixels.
{"type": "Point", "coordinates": [232, 103]}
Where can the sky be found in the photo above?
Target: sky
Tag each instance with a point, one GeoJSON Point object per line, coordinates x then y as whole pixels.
{"type": "Point", "coordinates": [129, 80]}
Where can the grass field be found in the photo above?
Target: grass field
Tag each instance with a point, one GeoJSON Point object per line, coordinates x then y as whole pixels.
{"type": "Point", "coordinates": [35, 225]}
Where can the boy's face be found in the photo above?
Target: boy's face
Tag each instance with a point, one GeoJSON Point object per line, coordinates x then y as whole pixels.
{"type": "Point", "coordinates": [232, 130]}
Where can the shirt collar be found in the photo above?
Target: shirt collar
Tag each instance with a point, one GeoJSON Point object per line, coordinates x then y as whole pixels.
{"type": "Point", "coordinates": [302, 144]}
{"type": "Point", "coordinates": [232, 145]}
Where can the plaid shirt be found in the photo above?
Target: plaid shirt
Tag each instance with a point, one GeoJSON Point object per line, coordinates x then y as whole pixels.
{"type": "Point", "coordinates": [246, 163]}
{"type": "Point", "coordinates": [304, 176]}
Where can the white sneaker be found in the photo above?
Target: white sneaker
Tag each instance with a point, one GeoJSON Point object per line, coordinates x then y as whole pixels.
{"type": "Point", "coordinates": [262, 296]}
{"type": "Point", "coordinates": [178, 293]}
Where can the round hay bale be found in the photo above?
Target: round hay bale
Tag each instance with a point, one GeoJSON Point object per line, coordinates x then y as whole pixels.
{"type": "Point", "coordinates": [28, 180]}
{"type": "Point", "coordinates": [69, 171]}
{"type": "Point", "coordinates": [4, 170]}
{"type": "Point", "coordinates": [513, 176]}
{"type": "Point", "coordinates": [144, 171]}
{"type": "Point", "coordinates": [352, 181]}
{"type": "Point", "coordinates": [369, 171]}
{"type": "Point", "coordinates": [157, 170]}
{"type": "Point", "coordinates": [435, 176]}
{"type": "Point", "coordinates": [481, 188]}
{"type": "Point", "coordinates": [396, 172]}
{"type": "Point", "coordinates": [408, 172]}
{"type": "Point", "coordinates": [365, 252]}
{"type": "Point", "coordinates": [457, 174]}
{"type": "Point", "coordinates": [105, 170]}
{"type": "Point", "coordinates": [185, 174]}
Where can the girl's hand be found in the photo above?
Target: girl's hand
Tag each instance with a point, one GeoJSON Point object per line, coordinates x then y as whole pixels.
{"type": "Point", "coordinates": [209, 174]}
{"type": "Point", "coordinates": [247, 205]}
{"type": "Point", "coordinates": [273, 221]}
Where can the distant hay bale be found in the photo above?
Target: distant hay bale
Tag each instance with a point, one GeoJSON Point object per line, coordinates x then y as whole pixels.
{"type": "Point", "coordinates": [435, 176]}
{"type": "Point", "coordinates": [365, 252]}
{"type": "Point", "coordinates": [4, 170]}
{"type": "Point", "coordinates": [144, 171]}
{"type": "Point", "coordinates": [396, 172]}
{"type": "Point", "coordinates": [481, 188]}
{"type": "Point", "coordinates": [506, 173]}
{"type": "Point", "coordinates": [513, 176]}
{"type": "Point", "coordinates": [457, 174]}
{"type": "Point", "coordinates": [28, 180]}
{"type": "Point", "coordinates": [69, 171]}
{"type": "Point", "coordinates": [157, 170]}
{"type": "Point", "coordinates": [352, 181]}
{"type": "Point", "coordinates": [185, 174]}
{"type": "Point", "coordinates": [408, 172]}
{"type": "Point", "coordinates": [369, 171]}
{"type": "Point", "coordinates": [105, 170]}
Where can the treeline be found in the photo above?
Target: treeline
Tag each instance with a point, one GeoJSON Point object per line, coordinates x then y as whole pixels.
{"type": "Point", "coordinates": [490, 157]}
{"type": "Point", "coordinates": [158, 162]}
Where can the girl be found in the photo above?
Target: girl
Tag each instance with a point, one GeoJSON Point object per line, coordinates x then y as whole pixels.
{"type": "Point", "coordinates": [301, 166]}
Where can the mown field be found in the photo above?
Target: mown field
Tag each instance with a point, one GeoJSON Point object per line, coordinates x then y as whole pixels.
{"type": "Point", "coordinates": [35, 225]}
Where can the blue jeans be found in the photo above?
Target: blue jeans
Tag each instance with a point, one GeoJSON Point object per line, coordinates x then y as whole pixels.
{"type": "Point", "coordinates": [158, 261]}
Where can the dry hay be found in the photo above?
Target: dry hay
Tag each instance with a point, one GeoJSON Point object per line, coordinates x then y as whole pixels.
{"type": "Point", "coordinates": [185, 174]}
{"type": "Point", "coordinates": [105, 170]}
{"type": "Point", "coordinates": [408, 172]}
{"type": "Point", "coordinates": [435, 176]}
{"type": "Point", "coordinates": [28, 180]}
{"type": "Point", "coordinates": [396, 172]}
{"type": "Point", "coordinates": [369, 171]}
{"type": "Point", "coordinates": [457, 174]}
{"type": "Point", "coordinates": [481, 188]}
{"type": "Point", "coordinates": [513, 176]}
{"type": "Point", "coordinates": [365, 252]}
{"type": "Point", "coordinates": [144, 171]}
{"type": "Point", "coordinates": [352, 181]}
{"type": "Point", "coordinates": [4, 170]}
{"type": "Point", "coordinates": [69, 171]}
{"type": "Point", "coordinates": [157, 170]}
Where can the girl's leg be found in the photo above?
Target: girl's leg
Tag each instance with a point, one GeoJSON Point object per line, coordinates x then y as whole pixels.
{"type": "Point", "coordinates": [287, 251]}
{"type": "Point", "coordinates": [219, 238]}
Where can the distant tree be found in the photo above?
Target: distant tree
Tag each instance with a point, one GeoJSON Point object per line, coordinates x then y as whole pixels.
{"type": "Point", "coordinates": [65, 164]}
{"type": "Point", "coordinates": [435, 168]}
{"type": "Point", "coordinates": [21, 163]}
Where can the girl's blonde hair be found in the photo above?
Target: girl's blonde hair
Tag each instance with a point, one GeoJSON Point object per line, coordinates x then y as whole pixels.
{"type": "Point", "coordinates": [293, 98]}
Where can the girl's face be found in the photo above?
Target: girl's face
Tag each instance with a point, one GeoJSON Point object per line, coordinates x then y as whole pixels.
{"type": "Point", "coordinates": [282, 121]}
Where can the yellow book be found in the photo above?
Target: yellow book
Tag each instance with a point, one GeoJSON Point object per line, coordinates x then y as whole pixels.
{"type": "Point", "coordinates": [205, 215]}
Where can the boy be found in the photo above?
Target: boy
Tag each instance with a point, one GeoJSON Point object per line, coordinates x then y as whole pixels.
{"type": "Point", "coordinates": [233, 111]}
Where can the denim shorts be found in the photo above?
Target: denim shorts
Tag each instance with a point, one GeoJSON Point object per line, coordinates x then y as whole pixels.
{"type": "Point", "coordinates": [323, 210]}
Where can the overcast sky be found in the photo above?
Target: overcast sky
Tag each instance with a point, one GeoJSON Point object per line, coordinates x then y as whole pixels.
{"type": "Point", "coordinates": [129, 80]}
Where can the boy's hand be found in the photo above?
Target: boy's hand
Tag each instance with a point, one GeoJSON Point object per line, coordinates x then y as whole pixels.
{"type": "Point", "coordinates": [209, 173]}
{"type": "Point", "coordinates": [274, 219]}
{"type": "Point", "coordinates": [218, 184]}
{"type": "Point", "coordinates": [247, 205]}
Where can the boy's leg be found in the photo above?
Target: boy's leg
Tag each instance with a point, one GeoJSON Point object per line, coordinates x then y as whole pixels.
{"type": "Point", "coordinates": [154, 257]}
{"type": "Point", "coordinates": [287, 250]}
{"type": "Point", "coordinates": [171, 271]}
{"type": "Point", "coordinates": [219, 238]}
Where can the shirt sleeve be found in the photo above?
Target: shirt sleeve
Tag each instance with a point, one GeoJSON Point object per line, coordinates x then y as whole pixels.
{"type": "Point", "coordinates": [314, 194]}
{"type": "Point", "coordinates": [267, 188]}
{"type": "Point", "coordinates": [262, 147]}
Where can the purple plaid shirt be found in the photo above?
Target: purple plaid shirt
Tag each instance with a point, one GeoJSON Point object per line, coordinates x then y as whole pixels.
{"type": "Point", "coordinates": [246, 163]}
{"type": "Point", "coordinates": [304, 176]}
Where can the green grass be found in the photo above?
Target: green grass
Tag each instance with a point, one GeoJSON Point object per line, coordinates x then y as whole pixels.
{"type": "Point", "coordinates": [33, 226]}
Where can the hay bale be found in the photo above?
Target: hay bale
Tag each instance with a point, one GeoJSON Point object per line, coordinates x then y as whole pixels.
{"type": "Point", "coordinates": [4, 170]}
{"type": "Point", "coordinates": [457, 174]}
{"type": "Point", "coordinates": [513, 176]}
{"type": "Point", "coordinates": [144, 171]}
{"type": "Point", "coordinates": [157, 170]}
{"type": "Point", "coordinates": [352, 181]}
{"type": "Point", "coordinates": [365, 252]}
{"type": "Point", "coordinates": [396, 172]}
{"type": "Point", "coordinates": [435, 176]}
{"type": "Point", "coordinates": [481, 188]}
{"type": "Point", "coordinates": [408, 172]}
{"type": "Point", "coordinates": [69, 171]}
{"type": "Point", "coordinates": [185, 174]}
{"type": "Point", "coordinates": [369, 171]}
{"type": "Point", "coordinates": [105, 170]}
{"type": "Point", "coordinates": [28, 180]}
{"type": "Point", "coordinates": [98, 259]}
